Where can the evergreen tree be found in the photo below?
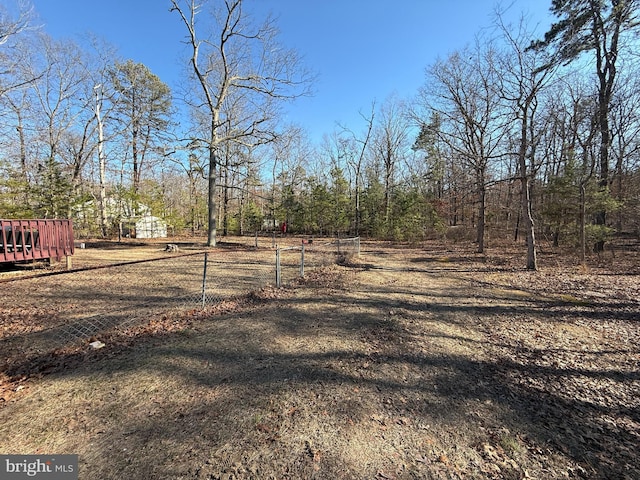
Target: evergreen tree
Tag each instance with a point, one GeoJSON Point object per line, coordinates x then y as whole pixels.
{"type": "Point", "coordinates": [13, 186]}
{"type": "Point", "coordinates": [596, 26]}
{"type": "Point", "coordinates": [143, 106]}
{"type": "Point", "coordinates": [373, 211]}
{"type": "Point", "coordinates": [53, 191]}
{"type": "Point", "coordinates": [339, 193]}
{"type": "Point", "coordinates": [429, 143]}
{"type": "Point", "coordinates": [252, 217]}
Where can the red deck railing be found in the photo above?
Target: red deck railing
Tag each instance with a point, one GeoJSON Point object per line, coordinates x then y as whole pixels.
{"type": "Point", "coordinates": [22, 240]}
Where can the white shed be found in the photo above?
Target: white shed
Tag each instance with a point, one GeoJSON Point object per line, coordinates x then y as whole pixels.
{"type": "Point", "coordinates": [150, 227]}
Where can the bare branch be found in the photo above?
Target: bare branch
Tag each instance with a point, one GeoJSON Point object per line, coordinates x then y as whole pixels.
{"type": "Point", "coordinates": [10, 27]}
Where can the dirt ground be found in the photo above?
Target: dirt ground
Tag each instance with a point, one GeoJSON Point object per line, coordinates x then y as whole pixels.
{"type": "Point", "coordinates": [427, 362]}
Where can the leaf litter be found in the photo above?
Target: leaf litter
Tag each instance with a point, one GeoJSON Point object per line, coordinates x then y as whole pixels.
{"type": "Point", "coordinates": [395, 366]}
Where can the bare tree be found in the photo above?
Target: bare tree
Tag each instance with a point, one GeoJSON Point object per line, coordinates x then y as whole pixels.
{"type": "Point", "coordinates": [12, 53]}
{"type": "Point", "coordinates": [354, 149]}
{"type": "Point", "coordinates": [625, 135]}
{"type": "Point", "coordinates": [389, 144]}
{"type": "Point", "coordinates": [463, 90]}
{"type": "Point", "coordinates": [52, 116]}
{"type": "Point", "coordinates": [19, 103]}
{"type": "Point", "coordinates": [570, 140]}
{"type": "Point", "coordinates": [291, 154]}
{"type": "Point", "coordinates": [236, 58]}
{"type": "Point", "coordinates": [521, 79]}
{"type": "Point", "coordinates": [10, 27]}
{"type": "Point", "coordinates": [57, 98]}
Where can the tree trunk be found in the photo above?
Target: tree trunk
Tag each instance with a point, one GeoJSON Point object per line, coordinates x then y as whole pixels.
{"type": "Point", "coordinates": [212, 206]}
{"type": "Point", "coordinates": [453, 221]}
{"type": "Point", "coordinates": [101, 167]}
{"type": "Point", "coordinates": [532, 262]}
{"type": "Point", "coordinates": [481, 216]}
{"type": "Point", "coordinates": [194, 201]}
{"type": "Point", "coordinates": [582, 219]}
{"type": "Point", "coordinates": [605, 136]}
{"type": "Point", "coordinates": [136, 164]}
{"type": "Point", "coordinates": [225, 198]}
{"type": "Point", "coordinates": [619, 194]}
{"type": "Point", "coordinates": [527, 216]}
{"type": "Point", "coordinates": [23, 160]}
{"type": "Point", "coordinates": [358, 213]}
{"type": "Point", "coordinates": [387, 193]}
{"type": "Point", "coordinates": [241, 213]}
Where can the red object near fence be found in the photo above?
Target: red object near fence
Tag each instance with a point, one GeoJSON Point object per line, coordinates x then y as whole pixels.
{"type": "Point", "coordinates": [23, 240]}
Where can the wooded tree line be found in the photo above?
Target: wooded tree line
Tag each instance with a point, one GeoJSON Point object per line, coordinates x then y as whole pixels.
{"type": "Point", "coordinates": [521, 135]}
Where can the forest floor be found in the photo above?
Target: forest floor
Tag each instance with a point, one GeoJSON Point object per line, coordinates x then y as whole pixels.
{"type": "Point", "coordinates": [428, 362]}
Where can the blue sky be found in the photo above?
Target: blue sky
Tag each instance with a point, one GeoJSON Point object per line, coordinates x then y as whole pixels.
{"type": "Point", "coordinates": [362, 50]}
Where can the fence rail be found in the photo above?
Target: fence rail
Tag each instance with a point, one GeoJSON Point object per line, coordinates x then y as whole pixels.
{"type": "Point", "coordinates": [88, 302]}
{"type": "Point", "coordinates": [24, 240]}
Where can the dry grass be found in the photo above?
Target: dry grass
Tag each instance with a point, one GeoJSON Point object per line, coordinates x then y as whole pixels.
{"type": "Point", "coordinates": [400, 365]}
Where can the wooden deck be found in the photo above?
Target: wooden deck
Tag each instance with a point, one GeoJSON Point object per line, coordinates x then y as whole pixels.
{"type": "Point", "coordinates": [25, 240]}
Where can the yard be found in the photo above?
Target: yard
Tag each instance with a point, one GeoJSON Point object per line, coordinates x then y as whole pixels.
{"type": "Point", "coordinates": [407, 362]}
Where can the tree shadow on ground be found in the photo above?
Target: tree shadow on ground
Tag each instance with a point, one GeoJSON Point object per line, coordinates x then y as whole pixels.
{"type": "Point", "coordinates": [240, 384]}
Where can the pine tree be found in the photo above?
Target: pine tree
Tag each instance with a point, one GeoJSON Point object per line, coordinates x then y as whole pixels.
{"type": "Point", "coordinates": [593, 26]}
{"type": "Point", "coordinates": [53, 191]}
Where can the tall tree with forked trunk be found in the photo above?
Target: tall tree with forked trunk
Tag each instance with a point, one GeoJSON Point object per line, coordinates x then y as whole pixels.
{"type": "Point", "coordinates": [232, 58]}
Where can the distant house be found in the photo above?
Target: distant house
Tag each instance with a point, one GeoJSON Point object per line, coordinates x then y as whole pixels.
{"type": "Point", "coordinates": [270, 223]}
{"type": "Point", "coordinates": [149, 226]}
{"type": "Point", "coordinates": [132, 220]}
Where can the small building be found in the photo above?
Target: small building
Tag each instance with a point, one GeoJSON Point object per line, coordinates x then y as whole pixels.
{"type": "Point", "coordinates": [132, 219]}
{"type": "Point", "coordinates": [149, 226]}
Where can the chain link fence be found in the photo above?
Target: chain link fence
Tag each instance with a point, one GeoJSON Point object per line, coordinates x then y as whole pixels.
{"type": "Point", "coordinates": [123, 295]}
{"type": "Point", "coordinates": [291, 262]}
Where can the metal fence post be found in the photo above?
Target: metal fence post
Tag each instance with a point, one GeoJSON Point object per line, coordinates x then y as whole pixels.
{"type": "Point", "coordinates": [278, 272]}
{"type": "Point", "coordinates": [204, 280]}
{"type": "Point", "coordinates": [302, 261]}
